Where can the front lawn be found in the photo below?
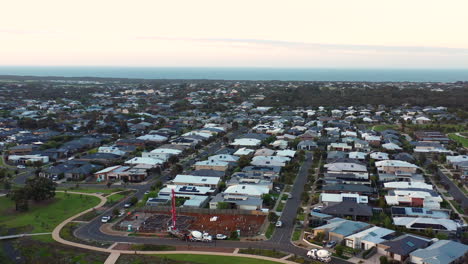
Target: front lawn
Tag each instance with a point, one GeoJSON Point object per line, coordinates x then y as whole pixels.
{"type": "Point", "coordinates": [45, 216]}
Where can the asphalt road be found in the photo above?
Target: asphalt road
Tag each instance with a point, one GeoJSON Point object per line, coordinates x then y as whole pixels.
{"type": "Point", "coordinates": [453, 189]}
{"type": "Point", "coordinates": [283, 235]}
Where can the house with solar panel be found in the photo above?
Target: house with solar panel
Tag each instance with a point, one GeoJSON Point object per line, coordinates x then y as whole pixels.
{"type": "Point", "coordinates": [369, 238]}
{"type": "Point", "coordinates": [399, 249]}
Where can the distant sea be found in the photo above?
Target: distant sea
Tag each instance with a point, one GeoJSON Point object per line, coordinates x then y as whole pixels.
{"type": "Point", "coordinates": [282, 74]}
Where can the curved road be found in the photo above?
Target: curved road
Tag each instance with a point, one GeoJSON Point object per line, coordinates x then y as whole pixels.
{"type": "Point", "coordinates": [280, 240]}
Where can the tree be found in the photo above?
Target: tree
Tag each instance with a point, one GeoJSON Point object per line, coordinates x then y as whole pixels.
{"type": "Point", "coordinates": [176, 169]}
{"type": "Point", "coordinates": [272, 217]}
{"type": "Point", "coordinates": [40, 188]}
{"type": "Point", "coordinates": [383, 260]}
{"type": "Point", "coordinates": [115, 212]}
{"type": "Point", "coordinates": [234, 235]}
{"type": "Point", "coordinates": [243, 161]}
{"type": "Point", "coordinates": [173, 159]}
{"type": "Point", "coordinates": [268, 199]}
{"type": "Point", "coordinates": [339, 250]}
{"type": "Point", "coordinates": [223, 205]}
{"type": "Point", "coordinates": [20, 197]}
{"type": "Point", "coordinates": [134, 200]}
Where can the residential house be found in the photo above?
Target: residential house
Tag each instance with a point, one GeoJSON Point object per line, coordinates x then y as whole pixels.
{"type": "Point", "coordinates": [441, 252]}
{"type": "Point", "coordinates": [400, 248]}
{"type": "Point", "coordinates": [212, 165]}
{"type": "Point", "coordinates": [369, 238]}
{"type": "Point", "coordinates": [337, 229]}
{"type": "Point", "coordinates": [349, 209]}
{"type": "Point", "coordinates": [191, 180]}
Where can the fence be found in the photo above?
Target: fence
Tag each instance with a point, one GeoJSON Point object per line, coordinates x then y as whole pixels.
{"type": "Point", "coordinates": [202, 210]}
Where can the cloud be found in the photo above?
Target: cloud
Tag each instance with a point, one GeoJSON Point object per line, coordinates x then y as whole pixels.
{"type": "Point", "coordinates": [28, 32]}
{"type": "Point", "coordinates": [308, 45]}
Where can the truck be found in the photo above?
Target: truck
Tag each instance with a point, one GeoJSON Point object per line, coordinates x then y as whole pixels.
{"type": "Point", "coordinates": [321, 255]}
{"type": "Point", "coordinates": [199, 236]}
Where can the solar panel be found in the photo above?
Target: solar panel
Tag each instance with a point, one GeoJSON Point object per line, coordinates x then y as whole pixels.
{"type": "Point", "coordinates": [417, 210]}
{"type": "Point", "coordinates": [409, 243]}
{"type": "Point", "coordinates": [398, 210]}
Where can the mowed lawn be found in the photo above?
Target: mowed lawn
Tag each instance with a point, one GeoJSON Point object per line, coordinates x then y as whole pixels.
{"type": "Point", "coordinates": [45, 216]}
{"type": "Point", "coordinates": [459, 139]}
{"type": "Point", "coordinates": [103, 191]}
{"type": "Point", "coordinates": [210, 259]}
{"type": "Point", "coordinates": [380, 128]}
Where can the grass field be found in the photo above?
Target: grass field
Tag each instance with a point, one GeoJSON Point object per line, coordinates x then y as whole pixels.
{"type": "Point", "coordinates": [116, 197]}
{"type": "Point", "coordinates": [380, 128]}
{"type": "Point", "coordinates": [462, 140]}
{"type": "Point", "coordinates": [296, 235]}
{"type": "Point", "coordinates": [83, 190]}
{"type": "Point", "coordinates": [270, 230]}
{"type": "Point", "coordinates": [43, 217]}
{"type": "Point", "coordinates": [208, 259]}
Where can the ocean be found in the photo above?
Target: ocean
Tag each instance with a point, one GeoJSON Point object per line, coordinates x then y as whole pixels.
{"type": "Point", "coordinates": [282, 74]}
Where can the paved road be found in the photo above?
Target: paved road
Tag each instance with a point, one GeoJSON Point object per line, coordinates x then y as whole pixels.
{"type": "Point", "coordinates": [453, 189]}
{"type": "Point", "coordinates": [283, 235]}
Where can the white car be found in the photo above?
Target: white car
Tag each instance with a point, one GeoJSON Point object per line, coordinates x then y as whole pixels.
{"type": "Point", "coordinates": [106, 219]}
{"type": "Point", "coordinates": [221, 237]}
{"type": "Point", "coordinates": [21, 167]}
{"type": "Point", "coordinates": [279, 224]}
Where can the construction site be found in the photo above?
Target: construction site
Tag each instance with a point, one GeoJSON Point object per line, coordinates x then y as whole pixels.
{"type": "Point", "coordinates": [158, 220]}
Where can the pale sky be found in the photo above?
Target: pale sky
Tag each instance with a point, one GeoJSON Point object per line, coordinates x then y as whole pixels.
{"type": "Point", "coordinates": [236, 33]}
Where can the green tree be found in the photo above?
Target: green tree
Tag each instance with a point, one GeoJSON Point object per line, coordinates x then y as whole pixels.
{"type": "Point", "coordinates": [223, 205]}
{"type": "Point", "coordinates": [243, 161]}
{"type": "Point", "coordinates": [20, 197]}
{"type": "Point", "coordinates": [40, 188]}
{"type": "Point", "coordinates": [268, 199]}
{"type": "Point", "coordinates": [383, 260]}
{"type": "Point", "coordinates": [272, 217]}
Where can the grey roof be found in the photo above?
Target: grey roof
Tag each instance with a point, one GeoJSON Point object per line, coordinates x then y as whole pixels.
{"type": "Point", "coordinates": [406, 244]}
{"type": "Point", "coordinates": [347, 208]}
{"type": "Point", "coordinates": [349, 188]}
{"type": "Point", "coordinates": [207, 173]}
{"type": "Point", "coordinates": [441, 252]}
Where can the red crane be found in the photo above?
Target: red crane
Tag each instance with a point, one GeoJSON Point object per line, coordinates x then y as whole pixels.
{"type": "Point", "coordinates": [173, 210]}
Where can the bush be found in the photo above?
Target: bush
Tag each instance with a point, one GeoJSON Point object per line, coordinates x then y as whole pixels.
{"type": "Point", "coordinates": [383, 260]}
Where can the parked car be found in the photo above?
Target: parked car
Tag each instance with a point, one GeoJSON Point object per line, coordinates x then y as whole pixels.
{"type": "Point", "coordinates": [221, 237]}
{"type": "Point", "coordinates": [279, 224]}
{"type": "Point", "coordinates": [147, 192]}
{"type": "Point", "coordinates": [21, 167]}
{"type": "Point", "coordinates": [317, 209]}
{"type": "Point", "coordinates": [106, 218]}
{"type": "Point", "coordinates": [330, 244]}
{"type": "Point", "coordinates": [128, 205]}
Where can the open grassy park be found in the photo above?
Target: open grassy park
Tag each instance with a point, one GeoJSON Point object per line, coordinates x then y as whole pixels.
{"type": "Point", "coordinates": [208, 259]}
{"type": "Point", "coordinates": [44, 216]}
{"type": "Point", "coordinates": [459, 139]}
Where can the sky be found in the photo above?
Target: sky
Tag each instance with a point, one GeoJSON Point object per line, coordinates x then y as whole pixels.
{"type": "Point", "coordinates": [220, 33]}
